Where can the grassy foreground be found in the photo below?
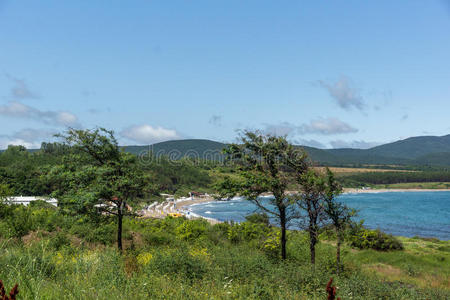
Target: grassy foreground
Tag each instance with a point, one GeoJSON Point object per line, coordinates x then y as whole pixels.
{"type": "Point", "coordinates": [181, 259]}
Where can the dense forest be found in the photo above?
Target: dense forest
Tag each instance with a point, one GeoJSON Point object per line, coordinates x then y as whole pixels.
{"type": "Point", "coordinates": [29, 173]}
{"type": "Point", "coordinates": [396, 177]}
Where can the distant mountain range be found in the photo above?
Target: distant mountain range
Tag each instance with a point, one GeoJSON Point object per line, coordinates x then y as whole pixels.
{"type": "Point", "coordinates": [422, 150]}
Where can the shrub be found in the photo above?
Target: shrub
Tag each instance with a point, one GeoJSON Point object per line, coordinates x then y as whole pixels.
{"type": "Point", "coordinates": [157, 238]}
{"type": "Point", "coordinates": [178, 262]}
{"type": "Point", "coordinates": [247, 231]}
{"type": "Point", "coordinates": [20, 221]}
{"type": "Point", "coordinates": [5, 230]}
{"type": "Point", "coordinates": [59, 240]}
{"type": "Point", "coordinates": [190, 230]}
{"type": "Point", "coordinates": [104, 233]}
{"type": "Point", "coordinates": [45, 219]}
{"type": "Point", "coordinates": [258, 218]}
{"type": "Point", "coordinates": [272, 244]}
{"type": "Point", "coordinates": [374, 239]}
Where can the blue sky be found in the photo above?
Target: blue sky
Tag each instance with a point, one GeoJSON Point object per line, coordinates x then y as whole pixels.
{"type": "Point", "coordinates": [324, 73]}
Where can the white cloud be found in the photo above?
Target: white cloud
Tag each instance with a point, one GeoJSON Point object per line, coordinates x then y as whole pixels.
{"type": "Point", "coordinates": [19, 110]}
{"type": "Point", "coordinates": [147, 134]}
{"type": "Point", "coordinates": [344, 93]}
{"type": "Point", "coordinates": [28, 137]}
{"type": "Point", "coordinates": [326, 126]}
{"type": "Point", "coordinates": [353, 144]}
{"type": "Point", "coordinates": [281, 129]}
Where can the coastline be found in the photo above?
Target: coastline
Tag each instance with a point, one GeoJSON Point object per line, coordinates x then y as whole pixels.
{"type": "Point", "coordinates": [183, 207]}
{"type": "Point", "coordinates": [183, 204]}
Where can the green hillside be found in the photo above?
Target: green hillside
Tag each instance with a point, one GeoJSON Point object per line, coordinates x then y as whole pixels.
{"type": "Point", "coordinates": [194, 148]}
{"type": "Point", "coordinates": [425, 150]}
{"type": "Point", "coordinates": [422, 150]}
{"type": "Point", "coordinates": [414, 147]}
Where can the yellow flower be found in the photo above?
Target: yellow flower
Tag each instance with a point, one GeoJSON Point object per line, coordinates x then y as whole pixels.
{"type": "Point", "coordinates": [199, 253]}
{"type": "Point", "coordinates": [59, 259]}
{"type": "Point", "coordinates": [144, 258]}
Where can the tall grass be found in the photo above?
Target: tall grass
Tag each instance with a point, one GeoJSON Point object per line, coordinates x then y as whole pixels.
{"type": "Point", "coordinates": [181, 259]}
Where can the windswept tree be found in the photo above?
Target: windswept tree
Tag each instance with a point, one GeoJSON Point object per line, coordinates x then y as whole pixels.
{"type": "Point", "coordinates": [319, 206]}
{"type": "Point", "coordinates": [310, 200]}
{"type": "Point", "coordinates": [98, 176]}
{"type": "Point", "coordinates": [265, 163]}
{"type": "Point", "coordinates": [338, 213]}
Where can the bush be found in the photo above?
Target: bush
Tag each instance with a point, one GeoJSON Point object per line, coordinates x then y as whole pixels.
{"type": "Point", "coordinates": [258, 218]}
{"type": "Point", "coordinates": [178, 262]}
{"type": "Point", "coordinates": [272, 244]}
{"type": "Point", "coordinates": [247, 231]}
{"type": "Point", "coordinates": [374, 239]}
{"type": "Point", "coordinates": [105, 233]}
{"type": "Point", "coordinates": [59, 240]}
{"type": "Point", "coordinates": [190, 230]}
{"type": "Point", "coordinates": [157, 238]}
{"type": "Point", "coordinates": [20, 221]}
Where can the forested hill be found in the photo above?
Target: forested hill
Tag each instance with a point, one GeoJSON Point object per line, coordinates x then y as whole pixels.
{"type": "Point", "coordinates": [414, 148]}
{"type": "Point", "coordinates": [194, 148]}
{"type": "Point", "coordinates": [422, 150]}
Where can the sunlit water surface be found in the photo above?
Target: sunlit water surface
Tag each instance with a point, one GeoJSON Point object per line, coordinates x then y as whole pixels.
{"type": "Point", "coordinates": [425, 214]}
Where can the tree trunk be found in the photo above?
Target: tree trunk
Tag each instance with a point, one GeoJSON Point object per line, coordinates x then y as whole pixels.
{"type": "Point", "coordinates": [312, 246]}
{"type": "Point", "coordinates": [283, 233]}
{"type": "Point", "coordinates": [119, 228]}
{"type": "Point", "coordinates": [338, 251]}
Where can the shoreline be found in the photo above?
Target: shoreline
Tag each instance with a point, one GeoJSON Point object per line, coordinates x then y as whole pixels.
{"type": "Point", "coordinates": [185, 204]}
{"type": "Point", "coordinates": [183, 207]}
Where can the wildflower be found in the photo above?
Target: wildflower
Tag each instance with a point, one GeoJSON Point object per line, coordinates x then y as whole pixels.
{"type": "Point", "coordinates": [144, 258]}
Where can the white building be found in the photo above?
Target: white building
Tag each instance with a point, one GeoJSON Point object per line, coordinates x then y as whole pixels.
{"type": "Point", "coordinates": [25, 200]}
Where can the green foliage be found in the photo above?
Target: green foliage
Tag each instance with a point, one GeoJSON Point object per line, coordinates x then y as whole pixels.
{"type": "Point", "coordinates": [374, 239]}
{"type": "Point", "coordinates": [272, 243]}
{"type": "Point", "coordinates": [191, 230]}
{"type": "Point", "coordinates": [247, 231]}
{"type": "Point", "coordinates": [69, 263]}
{"type": "Point", "coordinates": [396, 177]}
{"type": "Point", "coordinates": [179, 263]}
{"type": "Point", "coordinates": [265, 163]}
{"type": "Point", "coordinates": [5, 192]}
{"type": "Point", "coordinates": [59, 240]}
{"type": "Point", "coordinates": [95, 233]}
{"type": "Point", "coordinates": [261, 218]}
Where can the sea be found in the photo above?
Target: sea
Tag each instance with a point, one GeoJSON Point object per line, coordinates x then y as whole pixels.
{"type": "Point", "coordinates": [424, 214]}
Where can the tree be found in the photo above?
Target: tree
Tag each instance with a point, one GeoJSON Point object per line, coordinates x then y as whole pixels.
{"type": "Point", "coordinates": [338, 213]}
{"type": "Point", "coordinates": [310, 200]}
{"type": "Point", "coordinates": [5, 192]}
{"type": "Point", "coordinates": [99, 170]}
{"type": "Point", "coordinates": [265, 163]}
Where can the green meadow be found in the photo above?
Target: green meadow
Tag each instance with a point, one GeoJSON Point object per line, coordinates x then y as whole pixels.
{"type": "Point", "coordinates": [55, 256]}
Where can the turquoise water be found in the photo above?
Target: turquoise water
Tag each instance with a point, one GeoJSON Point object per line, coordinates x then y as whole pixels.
{"type": "Point", "coordinates": [425, 214]}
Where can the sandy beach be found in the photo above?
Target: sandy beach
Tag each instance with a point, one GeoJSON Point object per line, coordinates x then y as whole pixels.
{"type": "Point", "coordinates": [180, 205]}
